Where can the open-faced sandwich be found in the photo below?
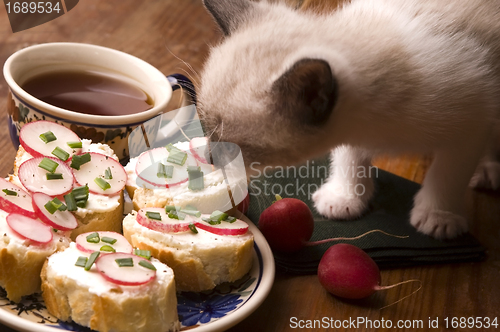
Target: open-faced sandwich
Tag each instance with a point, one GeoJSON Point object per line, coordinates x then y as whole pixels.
{"type": "Point", "coordinates": [102, 283]}
{"type": "Point", "coordinates": [179, 175]}
{"type": "Point", "coordinates": [203, 250]}
{"type": "Point", "coordinates": [86, 177]}
{"type": "Point", "coordinates": [26, 241]}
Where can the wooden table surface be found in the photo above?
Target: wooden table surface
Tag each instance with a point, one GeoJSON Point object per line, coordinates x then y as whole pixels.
{"type": "Point", "coordinates": [170, 33]}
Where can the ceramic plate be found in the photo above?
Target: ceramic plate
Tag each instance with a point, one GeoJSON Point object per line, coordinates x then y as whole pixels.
{"type": "Point", "coordinates": [216, 310]}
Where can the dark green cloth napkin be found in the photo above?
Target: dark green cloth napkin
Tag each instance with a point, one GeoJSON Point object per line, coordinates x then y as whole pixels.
{"type": "Point", "coordinates": [389, 211]}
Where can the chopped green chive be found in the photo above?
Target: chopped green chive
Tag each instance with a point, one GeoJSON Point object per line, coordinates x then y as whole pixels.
{"type": "Point", "coordinates": [91, 260]}
{"type": "Point", "coordinates": [74, 145]}
{"type": "Point", "coordinates": [193, 229]}
{"type": "Point", "coordinates": [81, 195]}
{"type": "Point", "coordinates": [60, 205]}
{"type": "Point", "coordinates": [48, 137]}
{"type": "Point", "coordinates": [9, 192]}
{"type": "Point", "coordinates": [194, 213]}
{"type": "Point", "coordinates": [54, 176]}
{"type": "Point", "coordinates": [123, 262]}
{"type": "Point", "coordinates": [103, 184]}
{"type": "Point", "coordinates": [173, 215]}
{"type": "Point", "coordinates": [80, 192]}
{"type": "Point", "coordinates": [81, 204]}
{"type": "Point", "coordinates": [195, 179]}
{"type": "Point", "coordinates": [57, 203]}
{"type": "Point", "coordinates": [194, 169]}
{"type": "Point", "coordinates": [165, 171]}
{"type": "Point", "coordinates": [109, 240]}
{"type": "Point", "coordinates": [70, 202]}
{"type": "Point", "coordinates": [50, 207]}
{"type": "Point", "coordinates": [160, 172]}
{"type": "Point", "coordinates": [210, 221]}
{"type": "Point", "coordinates": [60, 153]}
{"type": "Point", "coordinates": [153, 215]}
{"type": "Point", "coordinates": [107, 248]}
{"type": "Point", "coordinates": [169, 147]}
{"type": "Point", "coordinates": [78, 160]}
{"type": "Point", "coordinates": [107, 174]}
{"type": "Point", "coordinates": [147, 265]}
{"type": "Point", "coordinates": [169, 208]}
{"type": "Point", "coordinates": [81, 261]}
{"type": "Point", "coordinates": [93, 238]}
{"type": "Point", "coordinates": [176, 215]}
{"type": "Point", "coordinates": [54, 205]}
{"type": "Point", "coordinates": [143, 253]}
{"type": "Point", "coordinates": [48, 164]}
{"type": "Point", "coordinates": [176, 156]}
{"type": "Point", "coordinates": [218, 215]}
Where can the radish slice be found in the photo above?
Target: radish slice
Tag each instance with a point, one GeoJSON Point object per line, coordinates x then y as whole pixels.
{"type": "Point", "coordinates": [29, 228]}
{"type": "Point", "coordinates": [96, 168]}
{"type": "Point", "coordinates": [34, 178]}
{"type": "Point", "coordinates": [147, 168]}
{"type": "Point", "coordinates": [127, 275]}
{"type": "Point", "coordinates": [19, 203]}
{"type": "Point", "coordinates": [62, 220]}
{"type": "Point", "coordinates": [238, 227]}
{"type": "Point", "coordinates": [30, 140]}
{"type": "Point", "coordinates": [166, 224]}
{"type": "Point", "coordinates": [198, 146]}
{"type": "Point", "coordinates": [121, 244]}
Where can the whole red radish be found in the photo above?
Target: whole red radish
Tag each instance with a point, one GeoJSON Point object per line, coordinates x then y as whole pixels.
{"type": "Point", "coordinates": [287, 224]}
{"type": "Point", "coordinates": [347, 271]}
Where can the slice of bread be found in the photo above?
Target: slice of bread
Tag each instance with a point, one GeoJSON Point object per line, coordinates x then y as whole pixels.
{"type": "Point", "coordinates": [85, 297]}
{"type": "Point", "coordinates": [90, 219]}
{"type": "Point", "coordinates": [200, 261]}
{"type": "Point", "coordinates": [102, 213]}
{"type": "Point", "coordinates": [21, 262]}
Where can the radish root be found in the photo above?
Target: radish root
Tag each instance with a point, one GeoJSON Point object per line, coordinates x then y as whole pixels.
{"type": "Point", "coordinates": [400, 283]}
{"type": "Point", "coordinates": [313, 243]}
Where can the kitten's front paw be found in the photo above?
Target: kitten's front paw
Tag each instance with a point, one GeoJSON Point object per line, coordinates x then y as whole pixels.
{"type": "Point", "coordinates": [437, 223]}
{"type": "Point", "coordinates": [334, 206]}
{"type": "Point", "coordinates": [487, 176]}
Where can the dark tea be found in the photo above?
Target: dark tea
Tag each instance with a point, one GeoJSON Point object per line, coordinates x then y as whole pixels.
{"type": "Point", "coordinates": [89, 92]}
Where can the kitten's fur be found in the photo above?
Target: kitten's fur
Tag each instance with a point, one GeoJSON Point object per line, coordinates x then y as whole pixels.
{"type": "Point", "coordinates": [374, 76]}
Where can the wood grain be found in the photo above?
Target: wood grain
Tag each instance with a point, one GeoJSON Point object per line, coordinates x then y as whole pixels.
{"type": "Point", "coordinates": [170, 33]}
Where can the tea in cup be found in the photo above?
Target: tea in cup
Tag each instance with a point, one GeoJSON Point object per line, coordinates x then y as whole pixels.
{"type": "Point", "coordinates": [100, 93]}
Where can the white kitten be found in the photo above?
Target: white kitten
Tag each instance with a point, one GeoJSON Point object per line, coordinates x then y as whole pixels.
{"type": "Point", "coordinates": [374, 76]}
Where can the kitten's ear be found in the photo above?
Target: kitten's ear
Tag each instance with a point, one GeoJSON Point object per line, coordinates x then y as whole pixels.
{"type": "Point", "coordinates": [306, 92]}
{"type": "Point", "coordinates": [228, 13]}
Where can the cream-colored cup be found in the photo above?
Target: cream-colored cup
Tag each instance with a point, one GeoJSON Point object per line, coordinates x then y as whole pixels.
{"type": "Point", "coordinates": [110, 129]}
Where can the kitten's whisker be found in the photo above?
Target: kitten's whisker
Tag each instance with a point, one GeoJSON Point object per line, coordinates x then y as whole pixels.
{"type": "Point", "coordinates": [184, 62]}
{"type": "Point", "coordinates": [212, 133]}
{"type": "Point", "coordinates": [221, 131]}
{"type": "Point", "coordinates": [190, 76]}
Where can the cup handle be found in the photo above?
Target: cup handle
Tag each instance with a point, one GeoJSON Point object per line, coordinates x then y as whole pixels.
{"type": "Point", "coordinates": [178, 81]}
